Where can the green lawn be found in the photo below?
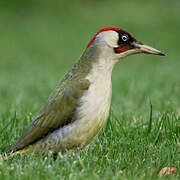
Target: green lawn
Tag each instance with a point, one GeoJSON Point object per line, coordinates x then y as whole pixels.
{"type": "Point", "coordinates": [40, 41]}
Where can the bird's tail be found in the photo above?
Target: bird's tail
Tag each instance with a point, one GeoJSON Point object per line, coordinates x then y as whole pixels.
{"type": "Point", "coordinates": [11, 153]}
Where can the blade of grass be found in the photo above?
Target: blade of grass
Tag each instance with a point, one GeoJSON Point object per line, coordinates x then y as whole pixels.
{"type": "Point", "coordinates": [150, 119]}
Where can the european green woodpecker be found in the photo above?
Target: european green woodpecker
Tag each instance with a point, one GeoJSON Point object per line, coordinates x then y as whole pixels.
{"type": "Point", "coordinates": [79, 106]}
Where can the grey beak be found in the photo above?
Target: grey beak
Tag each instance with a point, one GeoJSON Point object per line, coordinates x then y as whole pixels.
{"type": "Point", "coordinates": [147, 49]}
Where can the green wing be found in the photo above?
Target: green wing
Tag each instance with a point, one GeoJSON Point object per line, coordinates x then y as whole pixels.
{"type": "Point", "coordinates": [59, 111]}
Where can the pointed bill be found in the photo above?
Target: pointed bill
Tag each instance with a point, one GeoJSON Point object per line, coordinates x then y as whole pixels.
{"type": "Point", "coordinates": [147, 49]}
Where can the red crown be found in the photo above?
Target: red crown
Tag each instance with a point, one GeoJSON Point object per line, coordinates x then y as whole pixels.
{"type": "Point", "coordinates": [109, 28]}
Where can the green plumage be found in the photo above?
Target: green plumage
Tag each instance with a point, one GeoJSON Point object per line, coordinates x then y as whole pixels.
{"type": "Point", "coordinates": [61, 105]}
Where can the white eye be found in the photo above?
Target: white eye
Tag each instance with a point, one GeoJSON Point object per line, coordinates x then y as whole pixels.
{"type": "Point", "coordinates": [124, 37]}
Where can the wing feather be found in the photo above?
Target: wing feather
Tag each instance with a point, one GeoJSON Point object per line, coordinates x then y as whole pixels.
{"type": "Point", "coordinates": [58, 111]}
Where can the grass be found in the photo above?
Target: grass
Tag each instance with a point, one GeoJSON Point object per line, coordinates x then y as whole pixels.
{"type": "Point", "coordinates": [39, 42]}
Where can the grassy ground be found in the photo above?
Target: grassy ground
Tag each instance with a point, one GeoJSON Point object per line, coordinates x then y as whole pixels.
{"type": "Point", "coordinates": [39, 42]}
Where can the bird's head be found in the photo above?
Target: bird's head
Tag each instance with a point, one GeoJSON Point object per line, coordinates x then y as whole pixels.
{"type": "Point", "coordinates": [117, 43]}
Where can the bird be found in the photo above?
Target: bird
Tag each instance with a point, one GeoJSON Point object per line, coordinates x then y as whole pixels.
{"type": "Point", "coordinates": [78, 108]}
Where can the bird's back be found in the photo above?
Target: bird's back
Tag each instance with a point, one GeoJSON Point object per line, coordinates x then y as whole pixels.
{"type": "Point", "coordinates": [60, 107]}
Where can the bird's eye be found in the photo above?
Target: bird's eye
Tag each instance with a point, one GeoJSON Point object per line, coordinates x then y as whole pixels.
{"type": "Point", "coordinates": [124, 37]}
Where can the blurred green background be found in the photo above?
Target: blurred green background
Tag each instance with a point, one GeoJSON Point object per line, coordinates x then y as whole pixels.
{"type": "Point", "coordinates": [40, 40]}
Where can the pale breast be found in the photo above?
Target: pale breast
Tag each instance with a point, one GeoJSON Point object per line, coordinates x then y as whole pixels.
{"type": "Point", "coordinates": [91, 114]}
{"type": "Point", "coordinates": [94, 106]}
